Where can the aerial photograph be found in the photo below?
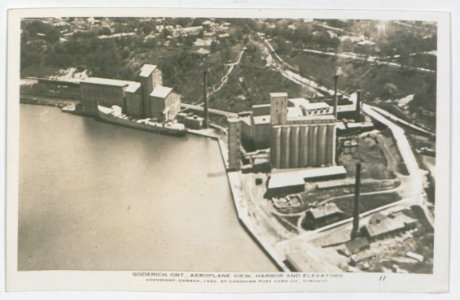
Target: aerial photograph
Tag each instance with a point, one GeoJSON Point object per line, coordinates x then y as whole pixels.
{"type": "Point", "coordinates": [227, 144]}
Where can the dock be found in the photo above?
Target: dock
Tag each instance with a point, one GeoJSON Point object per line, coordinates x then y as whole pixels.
{"type": "Point", "coordinates": [245, 215]}
{"type": "Point", "coordinates": [295, 253]}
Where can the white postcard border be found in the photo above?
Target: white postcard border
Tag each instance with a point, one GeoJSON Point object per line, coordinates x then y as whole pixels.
{"type": "Point", "coordinates": [120, 280]}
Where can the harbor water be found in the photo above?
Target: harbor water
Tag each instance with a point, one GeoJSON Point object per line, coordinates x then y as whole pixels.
{"type": "Point", "coordinates": [96, 196]}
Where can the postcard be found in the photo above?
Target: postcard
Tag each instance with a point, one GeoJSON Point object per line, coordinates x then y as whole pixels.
{"type": "Point", "coordinates": [228, 150]}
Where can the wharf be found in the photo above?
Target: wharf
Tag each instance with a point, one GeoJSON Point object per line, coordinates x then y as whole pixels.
{"type": "Point", "coordinates": [246, 217]}
{"type": "Point", "coordinates": [245, 214]}
{"type": "Point", "coordinates": [37, 100]}
{"type": "Point", "coordinates": [298, 250]}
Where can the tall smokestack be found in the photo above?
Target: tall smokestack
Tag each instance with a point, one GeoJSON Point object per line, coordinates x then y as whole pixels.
{"type": "Point", "coordinates": [336, 79]}
{"type": "Point", "coordinates": [358, 104]}
{"type": "Point", "coordinates": [205, 95]}
{"type": "Point", "coordinates": [355, 230]}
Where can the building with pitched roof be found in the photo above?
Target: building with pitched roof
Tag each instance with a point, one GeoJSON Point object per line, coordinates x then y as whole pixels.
{"type": "Point", "coordinates": [381, 226]}
{"type": "Point", "coordinates": [322, 215]}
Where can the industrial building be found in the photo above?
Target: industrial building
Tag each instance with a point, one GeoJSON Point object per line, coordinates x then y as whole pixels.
{"type": "Point", "coordinates": [103, 91]}
{"type": "Point", "coordinates": [322, 215]}
{"type": "Point", "coordinates": [163, 104]}
{"type": "Point", "coordinates": [381, 226]}
{"type": "Point", "coordinates": [190, 120]}
{"type": "Point", "coordinates": [257, 125]}
{"type": "Point", "coordinates": [150, 77]}
{"type": "Point", "coordinates": [256, 128]}
{"type": "Point", "coordinates": [147, 98]}
{"type": "Point", "coordinates": [302, 134]}
{"type": "Point", "coordinates": [303, 145]}
{"type": "Point", "coordinates": [288, 181]}
{"type": "Point", "coordinates": [299, 133]}
{"type": "Point", "coordinates": [234, 143]}
{"type": "Point", "coordinates": [305, 108]}
{"type": "Point", "coordinates": [134, 103]}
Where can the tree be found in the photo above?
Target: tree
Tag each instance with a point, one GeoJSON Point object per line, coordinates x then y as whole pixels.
{"type": "Point", "coordinates": [48, 32]}
{"type": "Point", "coordinates": [214, 46]}
{"type": "Point", "coordinates": [225, 54]}
{"type": "Point", "coordinates": [150, 42]}
{"type": "Point", "coordinates": [146, 27]}
{"type": "Point", "coordinates": [389, 90]}
{"type": "Point", "coordinates": [189, 40]}
{"type": "Point", "coordinates": [164, 33]}
{"type": "Point", "coordinates": [105, 31]}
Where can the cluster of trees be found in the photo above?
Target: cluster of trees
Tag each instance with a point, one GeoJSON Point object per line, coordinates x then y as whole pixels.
{"type": "Point", "coordinates": [84, 51]}
{"type": "Point", "coordinates": [390, 38]}
{"type": "Point", "coordinates": [42, 48]}
{"type": "Point", "coordinates": [43, 51]}
{"type": "Point", "coordinates": [175, 66]}
{"type": "Point", "coordinates": [304, 35]}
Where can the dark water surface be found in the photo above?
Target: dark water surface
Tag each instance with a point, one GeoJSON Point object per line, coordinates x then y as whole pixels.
{"type": "Point", "coordinates": [95, 196]}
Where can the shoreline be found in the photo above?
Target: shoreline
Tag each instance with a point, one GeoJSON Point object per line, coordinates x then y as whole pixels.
{"type": "Point", "coordinates": [28, 99]}
{"type": "Point", "coordinates": [244, 214]}
{"type": "Point", "coordinates": [263, 240]}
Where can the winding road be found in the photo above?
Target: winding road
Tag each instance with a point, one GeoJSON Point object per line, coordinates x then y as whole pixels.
{"type": "Point", "coordinates": [224, 79]}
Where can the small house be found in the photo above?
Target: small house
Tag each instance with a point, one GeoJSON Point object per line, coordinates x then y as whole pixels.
{"type": "Point", "coordinates": [322, 215]}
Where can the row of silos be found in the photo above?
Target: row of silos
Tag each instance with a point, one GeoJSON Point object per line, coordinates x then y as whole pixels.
{"type": "Point", "coordinates": [303, 145]}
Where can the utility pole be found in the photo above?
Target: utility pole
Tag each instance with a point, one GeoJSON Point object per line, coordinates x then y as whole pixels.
{"type": "Point", "coordinates": [336, 80]}
{"type": "Point", "coordinates": [205, 95]}
{"type": "Point", "coordinates": [355, 230]}
{"type": "Point", "coordinates": [358, 105]}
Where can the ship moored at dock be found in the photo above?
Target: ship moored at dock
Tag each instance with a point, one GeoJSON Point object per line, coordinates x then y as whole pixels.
{"type": "Point", "coordinates": [114, 115]}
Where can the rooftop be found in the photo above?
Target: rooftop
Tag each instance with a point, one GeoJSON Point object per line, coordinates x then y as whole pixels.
{"type": "Point", "coordinates": [298, 101]}
{"type": "Point", "coordinates": [278, 95]}
{"type": "Point", "coordinates": [281, 181]}
{"type": "Point", "coordinates": [133, 87]}
{"type": "Point", "coordinates": [311, 118]}
{"type": "Point", "coordinates": [294, 112]}
{"type": "Point", "coordinates": [262, 119]}
{"type": "Point", "coordinates": [380, 224]}
{"type": "Point", "coordinates": [193, 28]}
{"type": "Point", "coordinates": [261, 105]}
{"type": "Point", "coordinates": [261, 109]}
{"type": "Point", "coordinates": [202, 42]}
{"type": "Point", "coordinates": [161, 92]}
{"type": "Point", "coordinates": [233, 120]}
{"type": "Point", "coordinates": [116, 35]}
{"type": "Point", "coordinates": [325, 210]}
{"type": "Point", "coordinates": [202, 51]}
{"type": "Point", "coordinates": [108, 81]}
{"type": "Point", "coordinates": [146, 70]}
{"type": "Point", "coordinates": [304, 103]}
{"type": "Point", "coordinates": [317, 105]}
{"type": "Point", "coordinates": [291, 177]}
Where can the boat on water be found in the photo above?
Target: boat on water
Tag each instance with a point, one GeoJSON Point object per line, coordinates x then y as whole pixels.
{"type": "Point", "coordinates": [115, 115]}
